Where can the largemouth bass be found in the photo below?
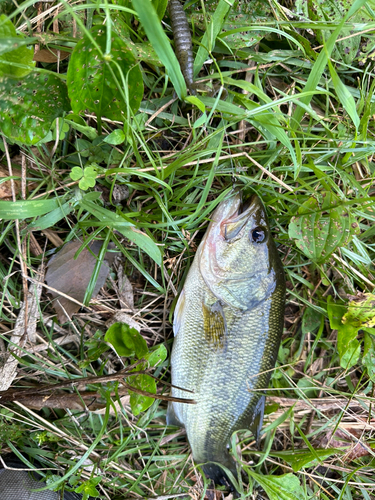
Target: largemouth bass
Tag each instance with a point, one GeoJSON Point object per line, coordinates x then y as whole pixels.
{"type": "Point", "coordinates": [227, 324]}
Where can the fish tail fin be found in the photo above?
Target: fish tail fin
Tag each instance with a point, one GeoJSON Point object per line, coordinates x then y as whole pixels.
{"type": "Point", "coordinates": [216, 472]}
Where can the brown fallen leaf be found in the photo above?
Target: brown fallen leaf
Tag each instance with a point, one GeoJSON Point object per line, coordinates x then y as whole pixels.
{"type": "Point", "coordinates": [24, 330]}
{"type": "Point", "coordinates": [19, 394]}
{"type": "Point", "coordinates": [342, 439]}
{"type": "Point", "coordinates": [62, 401]}
{"type": "Point", "coordinates": [126, 293]}
{"type": "Point", "coordinates": [71, 276]}
{"type": "Point", "coordinates": [50, 55]}
{"type": "Point", "coordinates": [121, 317]}
{"type": "Point", "coordinates": [6, 188]}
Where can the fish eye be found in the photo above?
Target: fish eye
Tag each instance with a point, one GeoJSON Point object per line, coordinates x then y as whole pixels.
{"type": "Point", "coordinates": [258, 235]}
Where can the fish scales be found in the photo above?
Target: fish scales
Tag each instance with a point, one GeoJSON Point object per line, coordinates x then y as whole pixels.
{"type": "Point", "coordinates": [228, 324]}
{"type": "Point", "coordinates": [182, 40]}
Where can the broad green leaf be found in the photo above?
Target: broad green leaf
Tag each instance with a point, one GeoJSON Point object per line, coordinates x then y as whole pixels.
{"type": "Point", "coordinates": [138, 402]}
{"type": "Point", "coordinates": [161, 44]}
{"type": "Point", "coordinates": [11, 210]}
{"type": "Point", "coordinates": [345, 97]}
{"type": "Point", "coordinates": [200, 121]}
{"type": "Point", "coordinates": [14, 50]}
{"type": "Point", "coordinates": [116, 137]}
{"type": "Point", "coordinates": [95, 80]}
{"type": "Point", "coordinates": [11, 43]}
{"type": "Point", "coordinates": [126, 341]}
{"type": "Point", "coordinates": [368, 359]}
{"type": "Point", "coordinates": [76, 173]}
{"type": "Point", "coordinates": [361, 311]}
{"type": "Point", "coordinates": [348, 347]}
{"type": "Point", "coordinates": [321, 226]}
{"type": "Point", "coordinates": [29, 106]}
{"type": "Point", "coordinates": [156, 356]}
{"type": "Point", "coordinates": [298, 459]}
{"type": "Point", "coordinates": [88, 487]}
{"type": "Point", "coordinates": [144, 382]}
{"type": "Point", "coordinates": [335, 311]}
{"type": "Point", "coordinates": [285, 487]}
{"type": "Point", "coordinates": [307, 387]}
{"type": "Point", "coordinates": [310, 321]}
{"type": "Point", "coordinates": [86, 176]}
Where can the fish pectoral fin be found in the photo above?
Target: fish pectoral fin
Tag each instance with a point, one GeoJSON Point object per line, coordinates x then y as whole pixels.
{"type": "Point", "coordinates": [255, 425]}
{"type": "Point", "coordinates": [178, 313]}
{"type": "Point", "coordinates": [172, 418]}
{"type": "Point", "coordinates": [214, 324]}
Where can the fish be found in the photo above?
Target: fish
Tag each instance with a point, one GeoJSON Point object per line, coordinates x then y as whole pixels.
{"type": "Point", "coordinates": [227, 325]}
{"type": "Point", "coordinates": [183, 43]}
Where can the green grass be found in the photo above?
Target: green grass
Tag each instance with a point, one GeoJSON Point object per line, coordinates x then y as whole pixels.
{"type": "Point", "coordinates": [296, 127]}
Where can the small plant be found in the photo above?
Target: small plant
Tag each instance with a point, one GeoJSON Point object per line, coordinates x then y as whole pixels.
{"type": "Point", "coordinates": [86, 176]}
{"type": "Point", "coordinates": [129, 342]}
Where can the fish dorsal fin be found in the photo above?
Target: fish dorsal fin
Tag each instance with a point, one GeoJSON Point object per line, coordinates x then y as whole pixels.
{"type": "Point", "coordinates": [214, 324]}
{"type": "Point", "coordinates": [178, 313]}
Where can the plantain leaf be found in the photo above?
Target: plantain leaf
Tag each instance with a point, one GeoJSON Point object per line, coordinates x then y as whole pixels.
{"type": "Point", "coordinates": [321, 226]}
{"type": "Point", "coordinates": [285, 487]}
{"type": "Point", "coordinates": [94, 79]}
{"type": "Point", "coordinates": [13, 50]}
{"type": "Point", "coordinates": [29, 106]}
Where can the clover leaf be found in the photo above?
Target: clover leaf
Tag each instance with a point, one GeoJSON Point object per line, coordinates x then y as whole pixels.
{"type": "Point", "coordinates": [86, 176]}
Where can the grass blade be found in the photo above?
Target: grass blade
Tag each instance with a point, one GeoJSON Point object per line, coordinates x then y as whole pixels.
{"type": "Point", "coordinates": [161, 44]}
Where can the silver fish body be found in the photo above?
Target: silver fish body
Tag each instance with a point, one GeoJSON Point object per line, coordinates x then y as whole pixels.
{"type": "Point", "coordinates": [228, 324]}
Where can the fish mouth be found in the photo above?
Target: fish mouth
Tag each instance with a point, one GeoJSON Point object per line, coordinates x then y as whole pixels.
{"type": "Point", "coordinates": [246, 203]}
{"type": "Point", "coordinates": [249, 207]}
{"type": "Point", "coordinates": [249, 204]}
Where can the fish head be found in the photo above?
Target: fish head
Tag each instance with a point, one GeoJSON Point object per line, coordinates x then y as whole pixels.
{"type": "Point", "coordinates": [238, 259]}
